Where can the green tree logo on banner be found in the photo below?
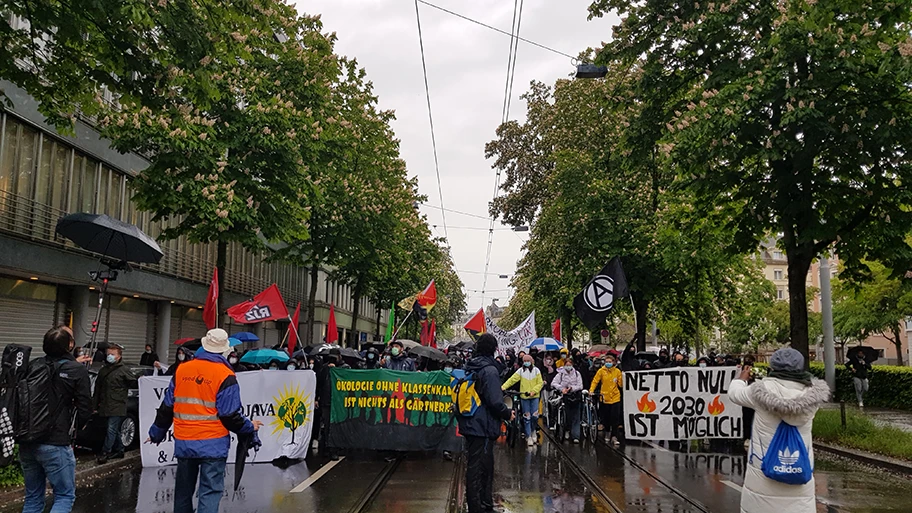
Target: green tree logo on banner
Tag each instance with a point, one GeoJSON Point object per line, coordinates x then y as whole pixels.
{"type": "Point", "coordinates": [291, 411]}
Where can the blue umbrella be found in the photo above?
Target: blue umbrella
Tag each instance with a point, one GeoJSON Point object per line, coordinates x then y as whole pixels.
{"type": "Point", "coordinates": [546, 344]}
{"type": "Point", "coordinates": [246, 336]}
{"type": "Point", "coordinates": [233, 342]}
{"type": "Point", "coordinates": [261, 356]}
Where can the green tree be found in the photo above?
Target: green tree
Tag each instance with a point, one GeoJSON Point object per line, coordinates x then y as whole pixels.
{"type": "Point", "coordinates": [797, 112]}
{"type": "Point", "coordinates": [876, 306]}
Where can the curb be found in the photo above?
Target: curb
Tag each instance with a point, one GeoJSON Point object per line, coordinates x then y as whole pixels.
{"type": "Point", "coordinates": [875, 460]}
{"type": "Point", "coordinates": [16, 495]}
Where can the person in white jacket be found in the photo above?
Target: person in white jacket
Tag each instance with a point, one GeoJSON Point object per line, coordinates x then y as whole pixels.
{"type": "Point", "coordinates": [569, 382]}
{"type": "Point", "coordinates": [788, 394]}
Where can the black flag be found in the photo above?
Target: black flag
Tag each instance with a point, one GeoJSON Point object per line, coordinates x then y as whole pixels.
{"type": "Point", "coordinates": [598, 297]}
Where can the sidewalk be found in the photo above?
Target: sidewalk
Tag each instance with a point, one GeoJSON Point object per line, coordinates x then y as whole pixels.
{"type": "Point", "coordinates": [899, 419]}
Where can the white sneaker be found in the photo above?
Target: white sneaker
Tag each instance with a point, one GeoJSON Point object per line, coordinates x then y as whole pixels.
{"type": "Point", "coordinates": [534, 438]}
{"type": "Point", "coordinates": [529, 442]}
{"type": "Point", "coordinates": [576, 440]}
{"type": "Point", "coordinates": [615, 441]}
{"type": "Point", "coordinates": [861, 405]}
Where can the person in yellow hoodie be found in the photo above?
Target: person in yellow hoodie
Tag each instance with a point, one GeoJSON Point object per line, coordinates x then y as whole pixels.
{"type": "Point", "coordinates": [530, 385]}
{"type": "Point", "coordinates": [564, 358]}
{"type": "Point", "coordinates": [611, 380]}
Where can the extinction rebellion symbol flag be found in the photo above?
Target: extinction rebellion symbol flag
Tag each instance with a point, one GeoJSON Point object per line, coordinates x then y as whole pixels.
{"type": "Point", "coordinates": [598, 297]}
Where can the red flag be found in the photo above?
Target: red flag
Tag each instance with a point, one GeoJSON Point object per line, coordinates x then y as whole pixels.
{"type": "Point", "coordinates": [265, 306]}
{"type": "Point", "coordinates": [425, 332]}
{"type": "Point", "coordinates": [432, 338]}
{"type": "Point", "coordinates": [476, 325]}
{"type": "Point", "coordinates": [210, 311]}
{"type": "Point", "coordinates": [428, 298]}
{"type": "Point", "coordinates": [555, 330]}
{"type": "Point", "coordinates": [293, 331]}
{"type": "Point", "coordinates": [332, 331]}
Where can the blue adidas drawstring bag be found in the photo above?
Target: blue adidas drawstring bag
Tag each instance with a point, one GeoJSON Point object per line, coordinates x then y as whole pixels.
{"type": "Point", "coordinates": [786, 459]}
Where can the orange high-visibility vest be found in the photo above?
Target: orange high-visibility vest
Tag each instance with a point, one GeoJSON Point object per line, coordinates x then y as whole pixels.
{"type": "Point", "coordinates": [196, 386]}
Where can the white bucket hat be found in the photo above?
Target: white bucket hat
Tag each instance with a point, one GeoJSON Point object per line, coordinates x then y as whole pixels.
{"type": "Point", "coordinates": [216, 341]}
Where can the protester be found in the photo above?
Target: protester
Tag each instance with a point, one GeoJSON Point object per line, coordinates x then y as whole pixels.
{"type": "Point", "coordinates": [569, 383]}
{"type": "Point", "coordinates": [482, 429]}
{"type": "Point", "coordinates": [110, 402]}
{"type": "Point", "coordinates": [678, 360]}
{"type": "Point", "coordinates": [204, 403]}
{"type": "Point", "coordinates": [629, 361]}
{"type": "Point", "coordinates": [859, 367]}
{"type": "Point", "coordinates": [564, 358]}
{"type": "Point", "coordinates": [611, 381]}
{"type": "Point", "coordinates": [149, 357]}
{"type": "Point", "coordinates": [530, 385]}
{"type": "Point", "coordinates": [789, 394]}
{"type": "Point", "coordinates": [291, 365]}
{"type": "Point", "coordinates": [398, 361]}
{"type": "Point", "coordinates": [181, 356]}
{"type": "Point", "coordinates": [663, 359]}
{"type": "Point", "coordinates": [235, 363]}
{"type": "Point", "coordinates": [704, 362]}
{"type": "Point", "coordinates": [548, 371]}
{"type": "Point", "coordinates": [372, 359]}
{"type": "Point", "coordinates": [49, 458]}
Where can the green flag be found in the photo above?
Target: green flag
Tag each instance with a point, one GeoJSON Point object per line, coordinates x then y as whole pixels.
{"type": "Point", "coordinates": [389, 324]}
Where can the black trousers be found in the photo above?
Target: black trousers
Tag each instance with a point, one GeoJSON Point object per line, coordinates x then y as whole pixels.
{"type": "Point", "coordinates": [479, 473]}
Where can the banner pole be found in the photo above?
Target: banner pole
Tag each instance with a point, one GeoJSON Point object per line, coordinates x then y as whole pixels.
{"type": "Point", "coordinates": [400, 326]}
{"type": "Point", "coordinates": [295, 328]}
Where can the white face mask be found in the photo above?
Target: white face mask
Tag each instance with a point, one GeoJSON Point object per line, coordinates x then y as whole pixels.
{"type": "Point", "coordinates": [148, 351]}
{"type": "Point", "coordinates": [702, 365]}
{"type": "Point", "coordinates": [181, 357]}
{"type": "Point", "coordinates": [448, 369]}
{"type": "Point", "coordinates": [232, 360]}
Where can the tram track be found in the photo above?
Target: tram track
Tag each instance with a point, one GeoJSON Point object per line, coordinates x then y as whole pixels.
{"type": "Point", "coordinates": [583, 475]}
{"type": "Point", "coordinates": [376, 486]}
{"type": "Point", "coordinates": [400, 470]}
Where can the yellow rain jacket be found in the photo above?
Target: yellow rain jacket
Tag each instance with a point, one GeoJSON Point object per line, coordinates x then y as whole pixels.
{"type": "Point", "coordinates": [612, 381]}
{"type": "Point", "coordinates": [530, 381]}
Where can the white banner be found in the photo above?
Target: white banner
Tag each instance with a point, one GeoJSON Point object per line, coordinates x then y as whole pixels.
{"type": "Point", "coordinates": [517, 338]}
{"type": "Point", "coordinates": [281, 400]}
{"type": "Point", "coordinates": [681, 403]}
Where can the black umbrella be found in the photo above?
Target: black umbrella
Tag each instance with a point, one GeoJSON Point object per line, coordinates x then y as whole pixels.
{"type": "Point", "coordinates": [464, 346]}
{"type": "Point", "coordinates": [111, 238]}
{"type": "Point", "coordinates": [348, 352]}
{"type": "Point", "coordinates": [245, 443]}
{"type": "Point", "coordinates": [428, 352]}
{"type": "Point", "coordinates": [870, 354]}
{"type": "Point", "coordinates": [193, 345]}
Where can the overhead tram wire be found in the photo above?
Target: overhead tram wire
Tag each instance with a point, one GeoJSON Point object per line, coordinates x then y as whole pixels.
{"type": "Point", "coordinates": [427, 91]}
{"type": "Point", "coordinates": [486, 218]}
{"type": "Point", "coordinates": [495, 29]}
{"type": "Point", "coordinates": [508, 93]}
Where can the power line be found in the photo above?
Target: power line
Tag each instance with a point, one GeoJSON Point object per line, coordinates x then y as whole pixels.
{"type": "Point", "coordinates": [479, 228]}
{"type": "Point", "coordinates": [486, 218]}
{"type": "Point", "coordinates": [495, 29]}
{"type": "Point", "coordinates": [427, 91]}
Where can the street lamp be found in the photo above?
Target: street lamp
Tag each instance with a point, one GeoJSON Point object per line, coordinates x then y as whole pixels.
{"type": "Point", "coordinates": [520, 228]}
{"type": "Point", "coordinates": [587, 70]}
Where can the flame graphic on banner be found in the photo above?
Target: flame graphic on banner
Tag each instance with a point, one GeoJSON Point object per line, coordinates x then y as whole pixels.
{"type": "Point", "coordinates": [715, 407]}
{"type": "Point", "coordinates": [645, 405]}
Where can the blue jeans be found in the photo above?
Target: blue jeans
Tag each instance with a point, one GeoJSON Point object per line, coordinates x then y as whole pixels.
{"type": "Point", "coordinates": [530, 415]}
{"type": "Point", "coordinates": [211, 472]}
{"type": "Point", "coordinates": [42, 463]}
{"type": "Point", "coordinates": [113, 444]}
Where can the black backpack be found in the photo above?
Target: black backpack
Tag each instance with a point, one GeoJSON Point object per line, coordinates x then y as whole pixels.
{"type": "Point", "coordinates": [13, 368]}
{"type": "Point", "coordinates": [35, 405]}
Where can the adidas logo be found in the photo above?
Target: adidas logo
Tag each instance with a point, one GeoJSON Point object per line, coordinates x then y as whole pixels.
{"type": "Point", "coordinates": [788, 458]}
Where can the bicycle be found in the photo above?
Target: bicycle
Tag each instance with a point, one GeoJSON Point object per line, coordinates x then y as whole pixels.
{"type": "Point", "coordinates": [563, 425]}
{"type": "Point", "coordinates": [514, 427]}
{"type": "Point", "coordinates": [590, 418]}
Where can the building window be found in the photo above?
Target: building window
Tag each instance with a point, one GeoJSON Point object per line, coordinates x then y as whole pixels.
{"type": "Point", "coordinates": [780, 294]}
{"type": "Point", "coordinates": [777, 274]}
{"type": "Point", "coordinates": [777, 255]}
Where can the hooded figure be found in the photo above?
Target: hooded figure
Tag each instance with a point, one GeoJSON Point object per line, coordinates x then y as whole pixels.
{"type": "Point", "coordinates": [789, 395]}
{"type": "Point", "coordinates": [372, 359]}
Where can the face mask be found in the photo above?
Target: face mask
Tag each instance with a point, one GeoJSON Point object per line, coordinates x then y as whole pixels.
{"type": "Point", "coordinates": [527, 364]}
{"type": "Point", "coordinates": [181, 357]}
{"type": "Point", "coordinates": [448, 369]}
{"type": "Point", "coordinates": [148, 351]}
{"type": "Point", "coordinates": [370, 356]}
{"type": "Point", "coordinates": [394, 351]}
{"type": "Point", "coordinates": [111, 358]}
{"type": "Point", "coordinates": [608, 365]}
{"type": "Point", "coordinates": [232, 360]}
{"type": "Point", "coordinates": [702, 365]}
{"type": "Point", "coordinates": [273, 368]}
{"type": "Point", "coordinates": [663, 358]}
{"type": "Point", "coordinates": [548, 361]}
{"type": "Point", "coordinates": [292, 367]}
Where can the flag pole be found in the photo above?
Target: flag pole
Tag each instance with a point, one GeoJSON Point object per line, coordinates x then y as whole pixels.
{"type": "Point", "coordinates": [295, 328]}
{"type": "Point", "coordinates": [400, 326]}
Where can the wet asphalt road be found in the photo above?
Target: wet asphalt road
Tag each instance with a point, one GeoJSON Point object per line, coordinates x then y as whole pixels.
{"type": "Point", "coordinates": [536, 480]}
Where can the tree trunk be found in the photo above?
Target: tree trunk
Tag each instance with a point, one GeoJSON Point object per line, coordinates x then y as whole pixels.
{"type": "Point", "coordinates": [897, 343]}
{"type": "Point", "coordinates": [641, 307]}
{"type": "Point", "coordinates": [566, 326]}
{"type": "Point", "coordinates": [356, 311]}
{"type": "Point", "coordinates": [221, 260]}
{"type": "Point", "coordinates": [799, 262]}
{"type": "Point", "coordinates": [312, 304]}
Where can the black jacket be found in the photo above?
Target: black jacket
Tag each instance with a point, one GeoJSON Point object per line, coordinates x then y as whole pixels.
{"type": "Point", "coordinates": [72, 389]}
{"type": "Point", "coordinates": [111, 389]}
{"type": "Point", "coordinates": [859, 368]}
{"type": "Point", "coordinates": [487, 419]}
{"type": "Point", "coordinates": [148, 359]}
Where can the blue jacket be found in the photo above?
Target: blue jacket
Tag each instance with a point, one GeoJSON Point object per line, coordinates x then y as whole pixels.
{"type": "Point", "coordinates": [230, 413]}
{"type": "Point", "coordinates": [400, 363]}
{"type": "Point", "coordinates": [487, 419]}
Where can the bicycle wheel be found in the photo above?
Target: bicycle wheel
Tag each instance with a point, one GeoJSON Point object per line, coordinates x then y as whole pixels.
{"type": "Point", "coordinates": [559, 428]}
{"type": "Point", "coordinates": [593, 423]}
{"type": "Point", "coordinates": [511, 434]}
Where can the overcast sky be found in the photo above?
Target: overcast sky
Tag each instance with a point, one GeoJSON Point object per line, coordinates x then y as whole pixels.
{"type": "Point", "coordinates": [467, 67]}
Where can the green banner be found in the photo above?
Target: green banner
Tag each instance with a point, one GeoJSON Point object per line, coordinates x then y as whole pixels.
{"type": "Point", "coordinates": [391, 410]}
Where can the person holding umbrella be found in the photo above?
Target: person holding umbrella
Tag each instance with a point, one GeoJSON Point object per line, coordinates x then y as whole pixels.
{"type": "Point", "coordinates": [203, 402]}
{"type": "Point", "coordinates": [859, 367]}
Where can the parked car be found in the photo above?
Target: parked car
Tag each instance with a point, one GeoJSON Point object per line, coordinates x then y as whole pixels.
{"type": "Point", "coordinates": [93, 435]}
